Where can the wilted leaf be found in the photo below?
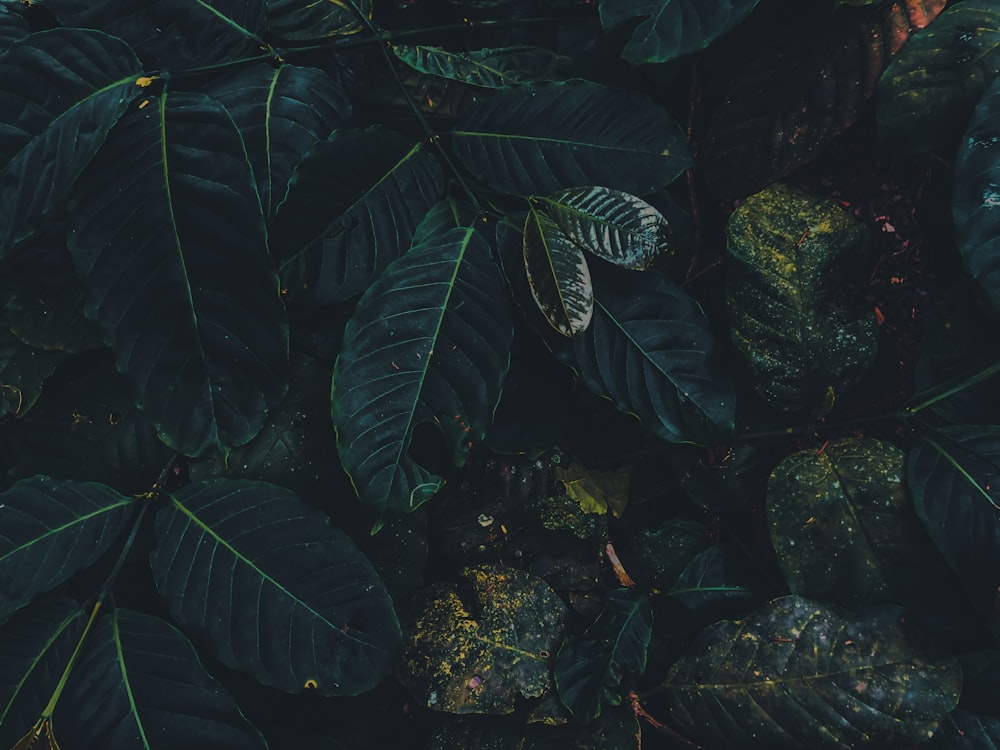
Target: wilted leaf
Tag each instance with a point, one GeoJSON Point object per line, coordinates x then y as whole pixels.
{"type": "Point", "coordinates": [926, 95]}
{"type": "Point", "coordinates": [792, 255]}
{"type": "Point", "coordinates": [671, 28]}
{"type": "Point", "coordinates": [620, 228]}
{"type": "Point", "coordinates": [841, 523]}
{"type": "Point", "coordinates": [588, 668]}
{"type": "Point", "coordinates": [558, 275]}
{"type": "Point", "coordinates": [482, 656]}
{"type": "Point", "coordinates": [976, 196]}
{"type": "Point", "coordinates": [488, 68]}
{"type": "Point", "coordinates": [596, 491]}
{"type": "Point", "coordinates": [800, 674]}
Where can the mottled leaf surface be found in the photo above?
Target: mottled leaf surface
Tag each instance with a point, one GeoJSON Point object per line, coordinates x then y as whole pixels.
{"type": "Point", "coordinates": [792, 255]}
{"type": "Point", "coordinates": [482, 656]}
{"type": "Point", "coordinates": [800, 674]}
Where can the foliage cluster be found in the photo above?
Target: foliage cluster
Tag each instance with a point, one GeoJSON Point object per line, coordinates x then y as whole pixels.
{"type": "Point", "coordinates": [639, 434]}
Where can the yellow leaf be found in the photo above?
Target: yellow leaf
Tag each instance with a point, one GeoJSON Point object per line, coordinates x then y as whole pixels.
{"type": "Point", "coordinates": [597, 491]}
{"type": "Point", "coordinates": [39, 737]}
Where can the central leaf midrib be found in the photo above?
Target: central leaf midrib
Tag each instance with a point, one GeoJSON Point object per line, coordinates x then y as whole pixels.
{"type": "Point", "coordinates": [65, 527]}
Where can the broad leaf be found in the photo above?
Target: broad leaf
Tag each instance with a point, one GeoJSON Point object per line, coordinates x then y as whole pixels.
{"type": "Point", "coordinates": [173, 34]}
{"type": "Point", "coordinates": [618, 227]}
{"type": "Point", "coordinates": [801, 674]}
{"type": "Point", "coordinates": [558, 275]}
{"type": "Point", "coordinates": [351, 209]}
{"type": "Point", "coordinates": [63, 91]}
{"type": "Point", "coordinates": [86, 427]}
{"type": "Point", "coordinates": [976, 196]}
{"type": "Point", "coordinates": [139, 684]}
{"type": "Point", "coordinates": [13, 26]}
{"type": "Point", "coordinates": [927, 94]}
{"type": "Point", "coordinates": [596, 491]}
{"type": "Point", "coordinates": [655, 559]}
{"type": "Point", "coordinates": [429, 343]}
{"type": "Point", "coordinates": [273, 589]}
{"type": "Point", "coordinates": [23, 370]}
{"type": "Point", "coordinates": [962, 729]}
{"type": "Point", "coordinates": [589, 667]}
{"type": "Point", "coordinates": [51, 529]}
{"type": "Point", "coordinates": [808, 85]}
{"type": "Point", "coordinates": [841, 523]}
{"type": "Point", "coordinates": [173, 254]}
{"type": "Point", "coordinates": [955, 481]}
{"type": "Point", "coordinates": [671, 28]}
{"type": "Point", "coordinates": [312, 20]}
{"type": "Point", "coordinates": [480, 656]}
{"type": "Point", "coordinates": [35, 647]}
{"type": "Point", "coordinates": [488, 68]}
{"type": "Point", "coordinates": [714, 583]}
{"type": "Point", "coordinates": [281, 113]}
{"type": "Point", "coordinates": [537, 138]}
{"type": "Point", "coordinates": [651, 351]}
{"type": "Point", "coordinates": [792, 255]}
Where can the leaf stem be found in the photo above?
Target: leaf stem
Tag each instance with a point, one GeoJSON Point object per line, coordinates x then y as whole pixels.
{"type": "Point", "coordinates": [952, 387]}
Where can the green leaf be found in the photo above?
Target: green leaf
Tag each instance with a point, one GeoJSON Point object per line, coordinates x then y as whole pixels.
{"type": "Point", "coordinates": [537, 138]}
{"type": "Point", "coordinates": [955, 480]}
{"type": "Point", "coordinates": [655, 559]}
{"type": "Point", "coordinates": [429, 343]}
{"type": "Point", "coordinates": [51, 529]}
{"type": "Point", "coordinates": [173, 34]}
{"type": "Point", "coordinates": [618, 227]}
{"type": "Point", "coordinates": [792, 256]}
{"type": "Point", "coordinates": [281, 113]}
{"type": "Point", "coordinates": [962, 729]}
{"type": "Point", "coordinates": [481, 656]}
{"type": "Point", "coordinates": [926, 95]}
{"type": "Point", "coordinates": [976, 196]}
{"type": "Point", "coordinates": [588, 668]}
{"type": "Point", "coordinates": [273, 589]}
{"type": "Point", "coordinates": [651, 351]}
{"type": "Point", "coordinates": [63, 91]}
{"type": "Point", "coordinates": [139, 684]}
{"type": "Point", "coordinates": [309, 21]}
{"type": "Point", "coordinates": [178, 275]}
{"type": "Point", "coordinates": [23, 371]}
{"type": "Point", "coordinates": [86, 427]}
{"type": "Point", "coordinates": [35, 647]}
{"type": "Point", "coordinates": [671, 28]}
{"type": "Point", "coordinates": [487, 68]}
{"type": "Point", "coordinates": [351, 209]}
{"type": "Point", "coordinates": [801, 674]}
{"type": "Point", "coordinates": [809, 83]}
{"type": "Point", "coordinates": [841, 523]}
{"type": "Point", "coordinates": [13, 26]}
{"type": "Point", "coordinates": [713, 583]}
{"type": "Point", "coordinates": [558, 275]}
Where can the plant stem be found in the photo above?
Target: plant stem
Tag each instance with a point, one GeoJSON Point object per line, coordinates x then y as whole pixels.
{"type": "Point", "coordinates": [953, 387]}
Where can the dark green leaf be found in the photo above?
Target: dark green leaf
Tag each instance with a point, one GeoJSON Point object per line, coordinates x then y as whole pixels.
{"type": "Point", "coordinates": [926, 95]}
{"type": "Point", "coordinates": [976, 197]}
{"type": "Point", "coordinates": [954, 476]}
{"type": "Point", "coordinates": [792, 256]}
{"type": "Point", "coordinates": [651, 351]}
{"type": "Point", "coordinates": [170, 34]}
{"type": "Point", "coordinates": [800, 674]}
{"type": "Point", "coordinates": [558, 275]}
{"type": "Point", "coordinates": [671, 28]}
{"type": "Point", "coordinates": [13, 26]}
{"type": "Point", "coordinates": [728, 481]}
{"type": "Point", "coordinates": [429, 343]}
{"type": "Point", "coordinates": [588, 668]}
{"type": "Point", "coordinates": [273, 589]}
{"type": "Point", "coordinates": [49, 530]}
{"type": "Point", "coordinates": [809, 84]}
{"type": "Point", "coordinates": [351, 209]}
{"type": "Point", "coordinates": [139, 684]}
{"type": "Point", "coordinates": [981, 682]}
{"type": "Point", "coordinates": [841, 524]}
{"type": "Point", "coordinates": [618, 227]}
{"type": "Point", "coordinates": [63, 91]}
{"type": "Point", "coordinates": [23, 370]}
{"type": "Point", "coordinates": [480, 656]}
{"type": "Point", "coordinates": [35, 647]}
{"type": "Point", "coordinates": [87, 427]}
{"type": "Point", "coordinates": [656, 558]}
{"type": "Point", "coordinates": [488, 68]}
{"type": "Point", "coordinates": [307, 20]}
{"type": "Point", "coordinates": [962, 730]}
{"type": "Point", "coordinates": [281, 113]}
{"type": "Point", "coordinates": [713, 583]}
{"type": "Point", "coordinates": [173, 253]}
{"type": "Point", "coordinates": [537, 138]}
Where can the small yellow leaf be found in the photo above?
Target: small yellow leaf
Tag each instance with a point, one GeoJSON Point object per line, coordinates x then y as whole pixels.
{"type": "Point", "coordinates": [144, 81]}
{"type": "Point", "coordinates": [597, 491]}
{"type": "Point", "coordinates": [39, 737]}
